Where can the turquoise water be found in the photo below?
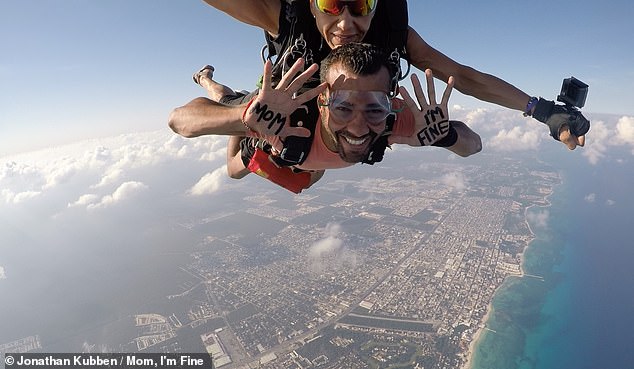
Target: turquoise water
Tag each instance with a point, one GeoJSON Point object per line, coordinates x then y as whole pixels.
{"type": "Point", "coordinates": [582, 314]}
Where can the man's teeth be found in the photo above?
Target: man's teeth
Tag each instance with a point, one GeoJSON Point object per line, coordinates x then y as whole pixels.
{"type": "Point", "coordinates": [352, 141]}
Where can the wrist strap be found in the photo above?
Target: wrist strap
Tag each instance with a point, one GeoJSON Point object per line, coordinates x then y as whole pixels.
{"type": "Point", "coordinates": [543, 110]}
{"type": "Point", "coordinates": [450, 139]}
{"type": "Point", "coordinates": [244, 113]}
{"type": "Point", "coordinates": [532, 102]}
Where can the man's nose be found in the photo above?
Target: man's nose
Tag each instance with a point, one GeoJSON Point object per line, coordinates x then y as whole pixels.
{"type": "Point", "coordinates": [358, 126]}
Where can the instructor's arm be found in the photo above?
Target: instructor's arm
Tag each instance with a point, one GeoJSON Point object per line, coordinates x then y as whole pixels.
{"type": "Point", "coordinates": [259, 13]}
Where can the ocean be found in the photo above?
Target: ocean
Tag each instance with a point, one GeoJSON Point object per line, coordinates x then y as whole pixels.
{"type": "Point", "coordinates": [581, 314]}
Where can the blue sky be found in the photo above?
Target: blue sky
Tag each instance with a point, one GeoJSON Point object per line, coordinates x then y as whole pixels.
{"type": "Point", "coordinates": [79, 69]}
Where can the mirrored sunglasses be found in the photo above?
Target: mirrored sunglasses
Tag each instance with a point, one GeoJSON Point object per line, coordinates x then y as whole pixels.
{"type": "Point", "coordinates": [358, 8]}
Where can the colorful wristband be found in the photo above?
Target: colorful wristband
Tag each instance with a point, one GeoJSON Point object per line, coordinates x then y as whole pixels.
{"type": "Point", "coordinates": [532, 103]}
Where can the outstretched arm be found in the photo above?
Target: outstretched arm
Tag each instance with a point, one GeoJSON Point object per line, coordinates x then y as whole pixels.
{"type": "Point", "coordinates": [477, 84]}
{"type": "Point", "coordinates": [259, 13]}
{"type": "Point", "coordinates": [467, 80]}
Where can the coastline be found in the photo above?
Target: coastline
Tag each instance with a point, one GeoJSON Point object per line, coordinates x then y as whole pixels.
{"type": "Point", "coordinates": [482, 325]}
{"type": "Point", "coordinates": [473, 345]}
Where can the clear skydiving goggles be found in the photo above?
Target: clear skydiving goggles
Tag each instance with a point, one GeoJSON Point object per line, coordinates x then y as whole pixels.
{"type": "Point", "coordinates": [358, 8]}
{"type": "Point", "coordinates": [375, 106]}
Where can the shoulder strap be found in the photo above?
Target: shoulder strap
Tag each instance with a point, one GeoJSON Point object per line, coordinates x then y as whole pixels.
{"type": "Point", "coordinates": [286, 23]}
{"type": "Point", "coordinates": [298, 38]}
{"type": "Point", "coordinates": [389, 26]}
{"type": "Point", "coordinates": [389, 30]}
{"type": "Point", "coordinates": [296, 149]}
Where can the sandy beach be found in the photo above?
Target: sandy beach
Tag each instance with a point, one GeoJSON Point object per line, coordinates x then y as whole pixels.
{"type": "Point", "coordinates": [476, 337]}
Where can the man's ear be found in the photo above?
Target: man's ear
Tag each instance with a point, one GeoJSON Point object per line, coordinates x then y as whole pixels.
{"type": "Point", "coordinates": [322, 102]}
{"type": "Point", "coordinates": [321, 99]}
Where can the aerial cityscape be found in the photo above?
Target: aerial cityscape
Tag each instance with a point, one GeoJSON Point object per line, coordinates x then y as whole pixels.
{"type": "Point", "coordinates": [353, 274]}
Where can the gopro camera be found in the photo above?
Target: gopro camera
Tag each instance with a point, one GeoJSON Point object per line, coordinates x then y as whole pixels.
{"type": "Point", "coordinates": [573, 93]}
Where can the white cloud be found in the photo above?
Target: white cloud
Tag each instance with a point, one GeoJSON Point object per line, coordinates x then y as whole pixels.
{"type": "Point", "coordinates": [111, 176]}
{"type": "Point", "coordinates": [328, 245]}
{"type": "Point", "coordinates": [213, 155]}
{"type": "Point", "coordinates": [590, 197]}
{"type": "Point", "coordinates": [26, 195]}
{"type": "Point", "coordinates": [206, 148]}
{"type": "Point", "coordinates": [506, 130]}
{"type": "Point", "coordinates": [503, 130]}
{"type": "Point", "coordinates": [539, 219]}
{"type": "Point", "coordinates": [98, 155]}
{"type": "Point", "coordinates": [515, 139]}
{"type": "Point", "coordinates": [61, 171]}
{"type": "Point", "coordinates": [19, 182]}
{"type": "Point", "coordinates": [476, 117]}
{"type": "Point", "coordinates": [625, 130]}
{"type": "Point", "coordinates": [609, 202]}
{"type": "Point", "coordinates": [455, 181]}
{"type": "Point", "coordinates": [210, 182]}
{"type": "Point", "coordinates": [123, 192]}
{"type": "Point", "coordinates": [11, 197]}
{"type": "Point", "coordinates": [604, 135]}
{"type": "Point", "coordinates": [597, 142]}
{"type": "Point", "coordinates": [494, 120]}
{"type": "Point", "coordinates": [3, 275]}
{"type": "Point", "coordinates": [11, 170]}
{"type": "Point", "coordinates": [330, 251]}
{"type": "Point", "coordinates": [59, 178]}
{"type": "Point", "coordinates": [84, 200]}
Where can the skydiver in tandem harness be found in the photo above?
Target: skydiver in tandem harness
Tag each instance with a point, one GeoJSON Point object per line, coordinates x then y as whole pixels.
{"type": "Point", "coordinates": [300, 22]}
{"type": "Point", "coordinates": [330, 23]}
{"type": "Point", "coordinates": [356, 117]}
{"type": "Point", "coordinates": [290, 34]}
{"type": "Point", "coordinates": [295, 30]}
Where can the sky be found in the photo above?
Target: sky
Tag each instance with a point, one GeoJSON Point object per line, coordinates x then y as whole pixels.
{"type": "Point", "coordinates": [75, 69]}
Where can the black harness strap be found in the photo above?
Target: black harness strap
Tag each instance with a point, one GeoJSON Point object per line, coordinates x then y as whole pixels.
{"type": "Point", "coordinates": [296, 148]}
{"type": "Point", "coordinates": [378, 148]}
{"type": "Point", "coordinates": [300, 38]}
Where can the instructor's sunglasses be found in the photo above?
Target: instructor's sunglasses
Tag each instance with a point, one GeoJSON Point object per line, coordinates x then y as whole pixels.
{"type": "Point", "coordinates": [358, 8]}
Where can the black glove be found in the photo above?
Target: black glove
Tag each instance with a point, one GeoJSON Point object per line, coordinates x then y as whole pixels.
{"type": "Point", "coordinates": [556, 116]}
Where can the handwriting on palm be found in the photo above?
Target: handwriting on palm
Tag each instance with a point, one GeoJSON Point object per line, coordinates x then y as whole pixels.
{"type": "Point", "coordinates": [269, 112]}
{"type": "Point", "coordinates": [431, 119]}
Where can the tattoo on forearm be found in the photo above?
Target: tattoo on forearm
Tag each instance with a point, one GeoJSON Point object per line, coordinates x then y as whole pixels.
{"type": "Point", "coordinates": [437, 127]}
{"type": "Point", "coordinates": [264, 114]}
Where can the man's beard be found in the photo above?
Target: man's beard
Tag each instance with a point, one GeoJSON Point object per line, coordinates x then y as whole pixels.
{"type": "Point", "coordinates": [354, 156]}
